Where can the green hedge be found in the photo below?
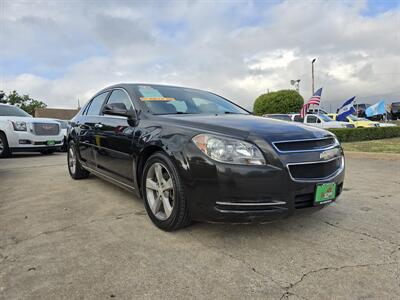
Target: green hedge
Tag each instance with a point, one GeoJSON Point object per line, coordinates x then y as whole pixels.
{"type": "Point", "coordinates": [280, 102]}
{"type": "Point", "coordinates": [365, 134]}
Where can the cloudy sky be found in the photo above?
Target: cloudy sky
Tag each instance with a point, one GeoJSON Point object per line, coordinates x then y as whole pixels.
{"type": "Point", "coordinates": [60, 51]}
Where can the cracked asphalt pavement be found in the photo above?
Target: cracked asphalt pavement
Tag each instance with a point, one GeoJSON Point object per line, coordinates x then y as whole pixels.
{"type": "Point", "coordinates": [65, 239]}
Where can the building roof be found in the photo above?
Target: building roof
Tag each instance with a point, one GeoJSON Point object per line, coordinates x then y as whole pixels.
{"type": "Point", "coordinates": [56, 113]}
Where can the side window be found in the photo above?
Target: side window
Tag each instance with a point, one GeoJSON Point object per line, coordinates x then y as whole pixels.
{"type": "Point", "coordinates": [96, 104]}
{"type": "Point", "coordinates": [120, 96]}
{"type": "Point", "coordinates": [311, 119]}
{"type": "Point", "coordinates": [298, 118]}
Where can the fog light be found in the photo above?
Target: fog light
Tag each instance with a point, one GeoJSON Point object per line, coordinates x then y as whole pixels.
{"type": "Point", "coordinates": [25, 142]}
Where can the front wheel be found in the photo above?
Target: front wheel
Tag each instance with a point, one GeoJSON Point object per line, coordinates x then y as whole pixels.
{"type": "Point", "coordinates": [75, 168]}
{"type": "Point", "coordinates": [4, 149]}
{"type": "Point", "coordinates": [163, 193]}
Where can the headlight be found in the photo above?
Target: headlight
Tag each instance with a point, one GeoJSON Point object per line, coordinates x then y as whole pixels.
{"type": "Point", "coordinates": [19, 125]}
{"type": "Point", "coordinates": [229, 150]}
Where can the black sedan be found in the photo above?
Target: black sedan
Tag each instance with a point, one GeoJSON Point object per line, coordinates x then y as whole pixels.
{"type": "Point", "coordinates": [193, 155]}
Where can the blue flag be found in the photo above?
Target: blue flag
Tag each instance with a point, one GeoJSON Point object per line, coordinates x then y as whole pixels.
{"type": "Point", "coordinates": [376, 109]}
{"type": "Point", "coordinates": [346, 109]}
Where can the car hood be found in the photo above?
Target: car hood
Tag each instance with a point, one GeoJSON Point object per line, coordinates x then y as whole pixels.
{"type": "Point", "coordinates": [28, 119]}
{"type": "Point", "coordinates": [245, 125]}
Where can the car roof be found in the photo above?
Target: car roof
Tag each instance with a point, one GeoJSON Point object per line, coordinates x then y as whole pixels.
{"type": "Point", "coordinates": [132, 85]}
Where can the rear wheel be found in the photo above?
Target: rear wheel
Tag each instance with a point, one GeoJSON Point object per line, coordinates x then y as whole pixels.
{"type": "Point", "coordinates": [163, 193]}
{"type": "Point", "coordinates": [75, 168]}
{"type": "Point", "coordinates": [4, 149]}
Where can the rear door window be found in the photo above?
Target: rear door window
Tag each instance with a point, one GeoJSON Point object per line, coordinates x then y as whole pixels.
{"type": "Point", "coordinates": [96, 104]}
{"type": "Point", "coordinates": [298, 118]}
{"type": "Point", "coordinates": [311, 119]}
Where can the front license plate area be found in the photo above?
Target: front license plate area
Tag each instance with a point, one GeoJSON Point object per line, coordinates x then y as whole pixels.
{"type": "Point", "coordinates": [325, 193]}
{"type": "Point", "coordinates": [51, 143]}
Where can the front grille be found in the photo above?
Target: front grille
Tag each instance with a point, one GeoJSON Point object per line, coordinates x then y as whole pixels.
{"type": "Point", "coordinates": [303, 201]}
{"type": "Point", "coordinates": [45, 143]}
{"type": "Point", "coordinates": [315, 170]}
{"type": "Point", "coordinates": [307, 200]}
{"type": "Point", "coordinates": [305, 145]}
{"type": "Point", "coordinates": [46, 128]}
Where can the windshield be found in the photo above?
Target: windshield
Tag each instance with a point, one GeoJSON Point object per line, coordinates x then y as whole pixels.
{"type": "Point", "coordinates": [8, 110]}
{"type": "Point", "coordinates": [325, 118]}
{"type": "Point", "coordinates": [165, 100]}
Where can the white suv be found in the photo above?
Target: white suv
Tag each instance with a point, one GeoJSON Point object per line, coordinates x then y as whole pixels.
{"type": "Point", "coordinates": [20, 132]}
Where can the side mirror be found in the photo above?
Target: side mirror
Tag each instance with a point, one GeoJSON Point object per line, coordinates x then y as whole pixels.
{"type": "Point", "coordinates": [119, 109]}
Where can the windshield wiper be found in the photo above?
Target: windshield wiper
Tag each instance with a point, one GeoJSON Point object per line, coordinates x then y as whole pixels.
{"type": "Point", "coordinates": [174, 113]}
{"type": "Point", "coordinates": [233, 113]}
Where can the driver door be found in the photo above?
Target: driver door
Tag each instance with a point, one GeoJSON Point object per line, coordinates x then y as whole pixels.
{"type": "Point", "coordinates": [114, 138]}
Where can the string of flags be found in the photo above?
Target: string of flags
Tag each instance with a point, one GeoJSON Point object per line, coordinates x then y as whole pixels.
{"type": "Point", "coordinates": [346, 109]}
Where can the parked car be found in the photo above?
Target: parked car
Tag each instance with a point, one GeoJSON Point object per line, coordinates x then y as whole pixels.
{"type": "Point", "coordinates": [321, 121]}
{"type": "Point", "coordinates": [360, 109]}
{"type": "Point", "coordinates": [20, 132]}
{"type": "Point", "coordinates": [395, 110]}
{"type": "Point", "coordinates": [385, 124]}
{"type": "Point", "coordinates": [64, 130]}
{"type": "Point", "coordinates": [283, 117]}
{"type": "Point", "coordinates": [357, 121]}
{"type": "Point", "coordinates": [193, 155]}
{"type": "Point", "coordinates": [316, 111]}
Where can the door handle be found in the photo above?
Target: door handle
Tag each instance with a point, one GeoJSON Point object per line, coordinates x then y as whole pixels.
{"type": "Point", "coordinates": [98, 125]}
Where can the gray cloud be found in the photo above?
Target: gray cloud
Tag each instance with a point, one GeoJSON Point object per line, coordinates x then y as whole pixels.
{"type": "Point", "coordinates": [238, 50]}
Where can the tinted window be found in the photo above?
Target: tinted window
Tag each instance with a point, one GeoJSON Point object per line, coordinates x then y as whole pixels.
{"type": "Point", "coordinates": [96, 104]}
{"type": "Point", "coordinates": [311, 119]}
{"type": "Point", "coordinates": [298, 118]}
{"type": "Point", "coordinates": [8, 110]}
{"type": "Point", "coordinates": [175, 100]}
{"type": "Point", "coordinates": [120, 96]}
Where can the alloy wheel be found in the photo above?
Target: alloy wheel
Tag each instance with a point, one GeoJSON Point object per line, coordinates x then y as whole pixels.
{"type": "Point", "coordinates": [71, 160]}
{"type": "Point", "coordinates": [160, 191]}
{"type": "Point", "coordinates": [1, 146]}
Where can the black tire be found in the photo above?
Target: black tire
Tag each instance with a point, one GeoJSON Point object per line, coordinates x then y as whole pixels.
{"type": "Point", "coordinates": [180, 216]}
{"type": "Point", "coordinates": [4, 150]}
{"type": "Point", "coordinates": [78, 172]}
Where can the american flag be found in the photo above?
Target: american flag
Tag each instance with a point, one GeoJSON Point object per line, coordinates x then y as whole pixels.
{"type": "Point", "coordinates": [315, 99]}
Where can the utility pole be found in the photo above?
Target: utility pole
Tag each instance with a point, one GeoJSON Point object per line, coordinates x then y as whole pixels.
{"type": "Point", "coordinates": [312, 75]}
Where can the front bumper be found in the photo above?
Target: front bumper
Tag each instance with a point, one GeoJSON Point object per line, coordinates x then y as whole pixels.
{"type": "Point", "coordinates": [26, 141]}
{"type": "Point", "coordinates": [233, 193]}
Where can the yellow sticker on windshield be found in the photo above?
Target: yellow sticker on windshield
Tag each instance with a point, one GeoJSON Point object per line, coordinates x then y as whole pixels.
{"type": "Point", "coordinates": [156, 99]}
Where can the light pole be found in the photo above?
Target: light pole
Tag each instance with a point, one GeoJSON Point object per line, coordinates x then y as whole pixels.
{"type": "Point", "coordinates": [312, 74]}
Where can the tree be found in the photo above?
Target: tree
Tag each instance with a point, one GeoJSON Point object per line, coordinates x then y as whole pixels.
{"type": "Point", "coordinates": [280, 102]}
{"type": "Point", "coordinates": [25, 102]}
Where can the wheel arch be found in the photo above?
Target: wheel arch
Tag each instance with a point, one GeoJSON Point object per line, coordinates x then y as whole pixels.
{"type": "Point", "coordinates": [141, 161]}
